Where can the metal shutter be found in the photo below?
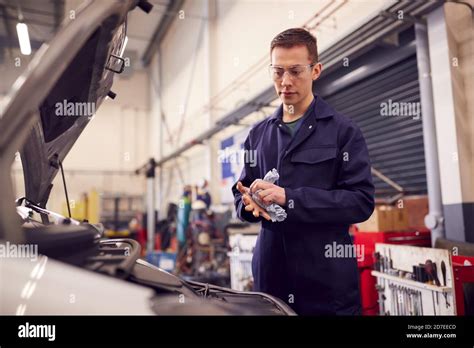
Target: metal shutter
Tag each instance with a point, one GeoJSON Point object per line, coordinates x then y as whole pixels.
{"type": "Point", "coordinates": [395, 143]}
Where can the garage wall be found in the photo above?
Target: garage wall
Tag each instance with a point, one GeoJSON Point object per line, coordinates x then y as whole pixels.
{"type": "Point", "coordinates": [230, 68]}
{"type": "Point", "coordinates": [460, 33]}
{"type": "Point", "coordinates": [176, 93]}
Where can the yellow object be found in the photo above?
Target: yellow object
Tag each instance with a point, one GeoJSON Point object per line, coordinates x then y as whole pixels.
{"type": "Point", "coordinates": [117, 234]}
{"type": "Point", "coordinates": [93, 207]}
{"type": "Point", "coordinates": [78, 210]}
{"type": "Point", "coordinates": [86, 208]}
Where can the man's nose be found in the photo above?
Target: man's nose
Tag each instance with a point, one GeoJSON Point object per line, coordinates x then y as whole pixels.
{"type": "Point", "coordinates": [286, 80]}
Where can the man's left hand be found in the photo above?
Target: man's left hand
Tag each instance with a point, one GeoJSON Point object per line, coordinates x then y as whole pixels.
{"type": "Point", "coordinates": [270, 193]}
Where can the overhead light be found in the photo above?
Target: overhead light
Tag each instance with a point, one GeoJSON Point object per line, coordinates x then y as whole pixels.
{"type": "Point", "coordinates": [23, 38]}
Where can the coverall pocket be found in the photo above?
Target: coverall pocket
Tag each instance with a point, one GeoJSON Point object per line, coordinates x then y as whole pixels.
{"type": "Point", "coordinates": [314, 155]}
{"type": "Point", "coordinates": [315, 167]}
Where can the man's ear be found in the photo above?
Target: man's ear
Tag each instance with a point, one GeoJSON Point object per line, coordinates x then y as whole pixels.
{"type": "Point", "coordinates": [317, 69]}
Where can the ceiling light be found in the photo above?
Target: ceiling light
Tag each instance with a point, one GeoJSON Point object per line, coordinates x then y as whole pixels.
{"type": "Point", "coordinates": [23, 38]}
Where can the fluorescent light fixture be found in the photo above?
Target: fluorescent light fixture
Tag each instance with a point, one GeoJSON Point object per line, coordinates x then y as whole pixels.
{"type": "Point", "coordinates": [23, 38]}
{"type": "Point", "coordinates": [123, 46]}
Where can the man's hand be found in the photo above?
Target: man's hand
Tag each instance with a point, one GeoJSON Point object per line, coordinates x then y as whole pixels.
{"type": "Point", "coordinates": [270, 193]}
{"type": "Point", "coordinates": [250, 204]}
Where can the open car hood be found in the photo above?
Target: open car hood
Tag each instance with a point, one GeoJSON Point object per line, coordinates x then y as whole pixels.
{"type": "Point", "coordinates": [52, 102]}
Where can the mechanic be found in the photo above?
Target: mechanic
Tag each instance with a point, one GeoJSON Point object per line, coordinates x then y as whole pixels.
{"type": "Point", "coordinates": [325, 185]}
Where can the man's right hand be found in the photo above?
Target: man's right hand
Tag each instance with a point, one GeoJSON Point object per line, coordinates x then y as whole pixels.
{"type": "Point", "coordinates": [250, 204]}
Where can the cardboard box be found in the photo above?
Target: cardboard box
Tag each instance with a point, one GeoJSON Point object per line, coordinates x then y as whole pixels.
{"type": "Point", "coordinates": [386, 218]}
{"type": "Point", "coordinates": [380, 220]}
{"type": "Point", "coordinates": [400, 218]}
{"type": "Point", "coordinates": [417, 208]}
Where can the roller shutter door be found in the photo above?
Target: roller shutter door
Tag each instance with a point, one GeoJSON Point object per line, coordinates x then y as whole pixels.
{"type": "Point", "coordinates": [395, 143]}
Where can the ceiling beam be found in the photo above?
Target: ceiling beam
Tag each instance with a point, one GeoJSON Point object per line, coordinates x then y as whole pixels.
{"type": "Point", "coordinates": [58, 13]}
{"type": "Point", "coordinates": [30, 21]}
{"type": "Point", "coordinates": [27, 9]}
{"type": "Point", "coordinates": [6, 23]}
{"type": "Point", "coordinates": [160, 32]}
{"type": "Point", "coordinates": [6, 41]}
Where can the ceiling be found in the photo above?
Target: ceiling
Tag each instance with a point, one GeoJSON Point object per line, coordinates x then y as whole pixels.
{"type": "Point", "coordinates": [44, 18]}
{"type": "Point", "coordinates": [141, 28]}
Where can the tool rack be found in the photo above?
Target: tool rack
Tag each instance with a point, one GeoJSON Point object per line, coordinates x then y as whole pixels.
{"type": "Point", "coordinates": [414, 280]}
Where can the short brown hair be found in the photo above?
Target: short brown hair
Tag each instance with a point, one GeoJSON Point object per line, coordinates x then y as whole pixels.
{"type": "Point", "coordinates": [296, 37]}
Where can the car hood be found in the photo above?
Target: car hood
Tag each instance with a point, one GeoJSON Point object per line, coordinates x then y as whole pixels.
{"type": "Point", "coordinates": [52, 102]}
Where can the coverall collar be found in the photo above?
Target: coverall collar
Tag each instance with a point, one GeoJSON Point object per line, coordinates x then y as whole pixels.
{"type": "Point", "coordinates": [321, 109]}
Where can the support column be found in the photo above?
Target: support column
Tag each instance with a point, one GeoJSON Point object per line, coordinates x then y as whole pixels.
{"type": "Point", "coordinates": [434, 220]}
{"type": "Point", "coordinates": [450, 60]}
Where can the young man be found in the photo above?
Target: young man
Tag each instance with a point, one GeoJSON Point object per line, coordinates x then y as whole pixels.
{"type": "Point", "coordinates": [325, 185]}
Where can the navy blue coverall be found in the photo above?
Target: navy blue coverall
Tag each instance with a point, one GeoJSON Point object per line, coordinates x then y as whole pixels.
{"type": "Point", "coordinates": [325, 171]}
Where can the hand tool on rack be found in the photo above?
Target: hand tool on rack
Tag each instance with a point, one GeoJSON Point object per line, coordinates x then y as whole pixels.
{"type": "Point", "coordinates": [380, 291]}
{"type": "Point", "coordinates": [421, 301]}
{"type": "Point", "coordinates": [407, 301]}
{"type": "Point", "coordinates": [383, 304]}
{"type": "Point", "coordinates": [443, 272]}
{"type": "Point", "coordinates": [390, 262]}
{"type": "Point", "coordinates": [407, 296]}
{"type": "Point", "coordinates": [392, 303]}
{"type": "Point", "coordinates": [419, 273]}
{"type": "Point", "coordinates": [377, 261]}
{"type": "Point", "coordinates": [410, 301]}
{"type": "Point", "coordinates": [416, 273]}
{"type": "Point", "coordinates": [397, 304]}
{"type": "Point", "coordinates": [400, 299]}
{"type": "Point", "coordinates": [430, 268]}
{"type": "Point", "coordinates": [446, 299]}
{"type": "Point", "coordinates": [416, 303]}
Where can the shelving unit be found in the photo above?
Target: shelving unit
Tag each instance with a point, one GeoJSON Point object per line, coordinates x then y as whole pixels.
{"type": "Point", "coordinates": [116, 211]}
{"type": "Point", "coordinates": [412, 283]}
{"type": "Point", "coordinates": [404, 296]}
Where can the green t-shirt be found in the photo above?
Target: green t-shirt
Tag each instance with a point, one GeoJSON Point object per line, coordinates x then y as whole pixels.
{"type": "Point", "coordinates": [293, 125]}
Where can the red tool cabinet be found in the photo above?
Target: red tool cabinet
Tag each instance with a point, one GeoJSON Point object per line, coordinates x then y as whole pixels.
{"type": "Point", "coordinates": [369, 296]}
{"type": "Point", "coordinates": [462, 274]}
